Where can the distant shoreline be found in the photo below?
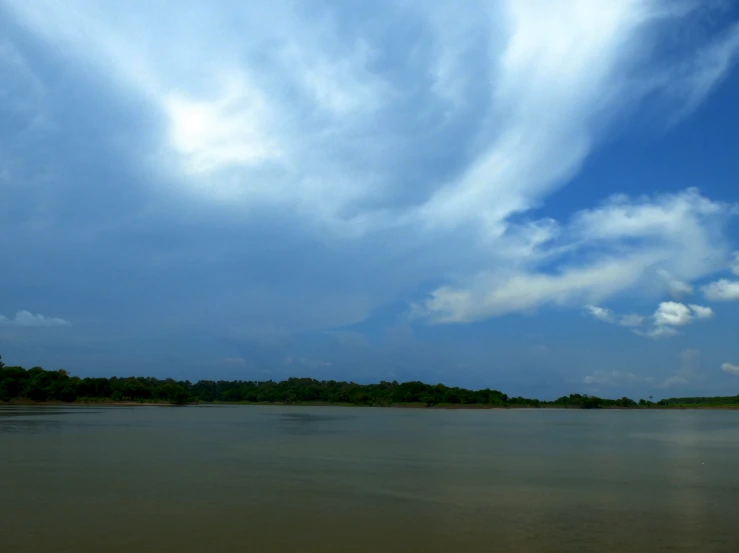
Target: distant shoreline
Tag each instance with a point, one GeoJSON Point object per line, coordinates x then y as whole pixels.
{"type": "Point", "coordinates": [447, 407]}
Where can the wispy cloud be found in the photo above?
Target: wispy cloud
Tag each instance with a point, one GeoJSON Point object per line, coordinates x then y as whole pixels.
{"type": "Point", "coordinates": [730, 368]}
{"type": "Point", "coordinates": [677, 288]}
{"type": "Point", "coordinates": [607, 316]}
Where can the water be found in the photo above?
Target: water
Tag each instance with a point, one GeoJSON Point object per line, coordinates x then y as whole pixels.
{"type": "Point", "coordinates": [287, 479]}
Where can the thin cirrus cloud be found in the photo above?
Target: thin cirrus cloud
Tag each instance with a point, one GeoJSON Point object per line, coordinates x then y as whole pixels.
{"type": "Point", "coordinates": [28, 319]}
{"type": "Point", "coordinates": [314, 134]}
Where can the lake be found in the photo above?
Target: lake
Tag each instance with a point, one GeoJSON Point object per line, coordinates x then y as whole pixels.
{"type": "Point", "coordinates": [331, 479]}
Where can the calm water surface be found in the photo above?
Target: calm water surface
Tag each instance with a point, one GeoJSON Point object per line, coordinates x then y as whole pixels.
{"type": "Point", "coordinates": [293, 479]}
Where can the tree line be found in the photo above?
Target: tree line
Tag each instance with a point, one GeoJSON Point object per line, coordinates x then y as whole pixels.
{"type": "Point", "coordinates": [38, 384]}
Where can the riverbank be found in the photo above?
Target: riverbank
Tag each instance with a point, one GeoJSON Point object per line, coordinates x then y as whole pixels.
{"type": "Point", "coordinates": [449, 407]}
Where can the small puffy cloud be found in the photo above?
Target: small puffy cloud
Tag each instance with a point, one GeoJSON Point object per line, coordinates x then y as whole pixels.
{"type": "Point", "coordinates": [600, 313]}
{"type": "Point", "coordinates": [673, 314]}
{"type": "Point", "coordinates": [730, 368]}
{"type": "Point", "coordinates": [26, 318]}
{"type": "Point", "coordinates": [701, 312]}
{"type": "Point", "coordinates": [722, 290]}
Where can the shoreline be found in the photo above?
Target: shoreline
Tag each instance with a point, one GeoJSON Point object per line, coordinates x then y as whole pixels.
{"type": "Point", "coordinates": [447, 407]}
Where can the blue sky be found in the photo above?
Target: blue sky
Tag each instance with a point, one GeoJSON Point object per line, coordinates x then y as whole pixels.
{"type": "Point", "coordinates": [540, 197]}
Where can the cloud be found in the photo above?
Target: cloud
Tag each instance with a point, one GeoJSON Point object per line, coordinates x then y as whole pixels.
{"type": "Point", "coordinates": [676, 288]}
{"type": "Point", "coordinates": [730, 368]}
{"type": "Point", "coordinates": [600, 313]}
{"type": "Point", "coordinates": [622, 246]}
{"type": "Point", "coordinates": [722, 290]}
{"type": "Point", "coordinates": [26, 318]}
{"type": "Point", "coordinates": [658, 332]}
{"type": "Point", "coordinates": [695, 78]}
{"type": "Point", "coordinates": [314, 113]}
{"type": "Point", "coordinates": [608, 316]}
{"type": "Point", "coordinates": [228, 130]}
{"type": "Point", "coordinates": [672, 314]}
{"type": "Point", "coordinates": [735, 263]}
{"type": "Point", "coordinates": [631, 320]}
{"type": "Point", "coordinates": [701, 312]}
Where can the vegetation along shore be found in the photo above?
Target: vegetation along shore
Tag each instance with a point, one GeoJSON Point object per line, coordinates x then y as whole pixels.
{"type": "Point", "coordinates": [37, 385]}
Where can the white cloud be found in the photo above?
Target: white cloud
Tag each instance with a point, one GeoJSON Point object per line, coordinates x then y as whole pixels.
{"type": "Point", "coordinates": [696, 78]}
{"type": "Point", "coordinates": [730, 368]}
{"type": "Point", "coordinates": [26, 318]}
{"type": "Point", "coordinates": [600, 313]}
{"type": "Point", "coordinates": [607, 316]}
{"type": "Point", "coordinates": [226, 131]}
{"type": "Point", "coordinates": [735, 263]}
{"type": "Point", "coordinates": [634, 240]}
{"type": "Point", "coordinates": [672, 314]}
{"type": "Point", "coordinates": [701, 312]}
{"type": "Point", "coordinates": [722, 290]}
{"type": "Point", "coordinates": [261, 87]}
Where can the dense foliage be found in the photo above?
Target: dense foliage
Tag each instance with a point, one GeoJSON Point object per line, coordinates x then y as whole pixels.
{"type": "Point", "coordinates": [37, 384]}
{"type": "Point", "coordinates": [593, 402]}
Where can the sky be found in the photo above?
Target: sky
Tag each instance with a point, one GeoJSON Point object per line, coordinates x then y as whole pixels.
{"type": "Point", "coordinates": [538, 197]}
